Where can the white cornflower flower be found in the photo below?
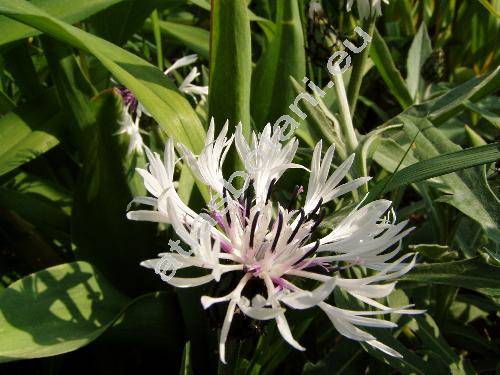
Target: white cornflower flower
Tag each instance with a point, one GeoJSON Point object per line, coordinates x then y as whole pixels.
{"type": "Point", "coordinates": [130, 126]}
{"type": "Point", "coordinates": [133, 109]}
{"type": "Point", "coordinates": [279, 245]}
{"type": "Point", "coordinates": [207, 167]}
{"type": "Point", "coordinates": [367, 8]}
{"type": "Point", "coordinates": [187, 86]}
{"type": "Point", "coordinates": [266, 158]}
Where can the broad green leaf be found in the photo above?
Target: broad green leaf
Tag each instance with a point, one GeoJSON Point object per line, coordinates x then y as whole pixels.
{"type": "Point", "coordinates": [385, 65]}
{"type": "Point", "coordinates": [151, 87]}
{"type": "Point", "coordinates": [55, 311]}
{"type": "Point", "coordinates": [470, 274]}
{"type": "Point", "coordinates": [29, 131]}
{"type": "Point", "coordinates": [66, 10]}
{"type": "Point", "coordinates": [420, 50]}
{"type": "Point", "coordinates": [34, 208]}
{"type": "Point", "coordinates": [194, 38]}
{"type": "Point", "coordinates": [101, 232]}
{"type": "Point", "coordinates": [230, 64]}
{"type": "Point", "coordinates": [272, 90]}
{"type": "Point", "coordinates": [65, 307]}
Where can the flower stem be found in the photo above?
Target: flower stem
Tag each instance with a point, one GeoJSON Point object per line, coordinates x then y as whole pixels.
{"type": "Point", "coordinates": [346, 125]}
{"type": "Point", "coordinates": [358, 70]}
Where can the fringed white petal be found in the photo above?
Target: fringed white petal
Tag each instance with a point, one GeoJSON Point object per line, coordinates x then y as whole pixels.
{"type": "Point", "coordinates": [189, 282]}
{"type": "Point", "coordinates": [306, 299]}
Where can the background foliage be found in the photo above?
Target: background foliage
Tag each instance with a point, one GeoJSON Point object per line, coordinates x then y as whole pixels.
{"type": "Point", "coordinates": [427, 117]}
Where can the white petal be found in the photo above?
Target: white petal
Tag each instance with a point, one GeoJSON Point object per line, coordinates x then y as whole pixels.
{"type": "Point", "coordinates": [144, 215]}
{"type": "Point", "coordinates": [225, 330]}
{"type": "Point", "coordinates": [384, 348]}
{"type": "Point", "coordinates": [259, 313]}
{"type": "Point", "coordinates": [189, 282]}
{"type": "Point", "coordinates": [305, 299]}
{"type": "Point", "coordinates": [184, 61]}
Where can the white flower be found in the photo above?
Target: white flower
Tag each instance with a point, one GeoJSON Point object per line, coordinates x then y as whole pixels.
{"type": "Point", "coordinates": [130, 127]}
{"type": "Point", "coordinates": [187, 86]}
{"type": "Point", "coordinates": [367, 8]}
{"type": "Point", "coordinates": [266, 158]}
{"type": "Point", "coordinates": [207, 167]}
{"type": "Point", "coordinates": [322, 188]}
{"type": "Point", "coordinates": [159, 182]}
{"type": "Point", "coordinates": [133, 109]}
{"type": "Point", "coordinates": [259, 238]}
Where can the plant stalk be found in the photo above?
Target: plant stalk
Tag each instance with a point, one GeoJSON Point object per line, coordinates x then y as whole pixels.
{"type": "Point", "coordinates": [358, 70]}
{"type": "Point", "coordinates": [346, 125]}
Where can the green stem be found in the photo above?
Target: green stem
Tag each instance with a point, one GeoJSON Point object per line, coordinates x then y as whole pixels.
{"type": "Point", "coordinates": [358, 71]}
{"type": "Point", "coordinates": [155, 19]}
{"type": "Point", "coordinates": [346, 125]}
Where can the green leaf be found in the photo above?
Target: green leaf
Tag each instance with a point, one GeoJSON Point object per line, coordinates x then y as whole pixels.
{"type": "Point", "coordinates": [29, 131]}
{"type": "Point", "coordinates": [68, 11]}
{"type": "Point", "coordinates": [43, 203]}
{"type": "Point", "coordinates": [55, 311]}
{"type": "Point", "coordinates": [470, 274]}
{"type": "Point", "coordinates": [410, 363]}
{"type": "Point", "coordinates": [65, 307]}
{"type": "Point", "coordinates": [428, 331]}
{"type": "Point", "coordinates": [72, 87]}
{"type": "Point", "coordinates": [101, 232]}
{"type": "Point", "coordinates": [120, 21]}
{"type": "Point", "coordinates": [436, 166]}
{"type": "Point", "coordinates": [6, 103]}
{"type": "Point", "coordinates": [194, 38]}
{"type": "Point", "coordinates": [19, 63]}
{"type": "Point", "coordinates": [32, 207]}
{"type": "Point", "coordinates": [420, 50]}
{"type": "Point", "coordinates": [453, 102]}
{"type": "Point", "coordinates": [490, 7]}
{"type": "Point", "coordinates": [284, 57]}
{"type": "Point", "coordinates": [155, 91]}
{"type": "Point", "coordinates": [385, 65]}
{"type": "Point", "coordinates": [186, 368]}
{"type": "Point", "coordinates": [230, 64]}
{"type": "Point", "coordinates": [467, 189]}
{"type": "Point", "coordinates": [482, 110]}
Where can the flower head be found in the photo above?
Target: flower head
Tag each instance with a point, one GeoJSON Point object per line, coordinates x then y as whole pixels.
{"type": "Point", "coordinates": [129, 124]}
{"type": "Point", "coordinates": [187, 87]}
{"type": "Point", "coordinates": [251, 234]}
{"type": "Point", "coordinates": [133, 109]}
